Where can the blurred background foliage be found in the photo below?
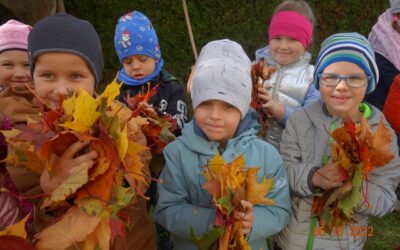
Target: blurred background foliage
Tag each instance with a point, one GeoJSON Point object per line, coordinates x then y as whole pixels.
{"type": "Point", "coordinates": [245, 21]}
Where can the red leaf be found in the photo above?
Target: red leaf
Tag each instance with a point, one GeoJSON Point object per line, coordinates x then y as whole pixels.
{"type": "Point", "coordinates": [11, 242]}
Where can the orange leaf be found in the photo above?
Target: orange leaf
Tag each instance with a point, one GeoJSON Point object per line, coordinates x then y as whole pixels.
{"type": "Point", "coordinates": [101, 187]}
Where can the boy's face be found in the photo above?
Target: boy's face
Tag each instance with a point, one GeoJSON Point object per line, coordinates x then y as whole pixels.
{"type": "Point", "coordinates": [218, 120]}
{"type": "Point", "coordinates": [343, 100]}
{"type": "Point", "coordinates": [139, 66]}
{"type": "Point", "coordinates": [286, 50]}
{"type": "Point", "coordinates": [56, 74]}
{"type": "Point", "coordinates": [14, 68]}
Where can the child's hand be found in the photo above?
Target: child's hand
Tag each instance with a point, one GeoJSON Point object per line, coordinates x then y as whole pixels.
{"type": "Point", "coordinates": [269, 105]}
{"type": "Point", "coordinates": [148, 107]}
{"type": "Point", "coordinates": [327, 177]}
{"type": "Point", "coordinates": [64, 165]}
{"type": "Point", "coordinates": [246, 218]}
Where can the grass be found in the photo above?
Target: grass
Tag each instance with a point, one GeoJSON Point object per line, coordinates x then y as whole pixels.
{"type": "Point", "coordinates": [386, 232]}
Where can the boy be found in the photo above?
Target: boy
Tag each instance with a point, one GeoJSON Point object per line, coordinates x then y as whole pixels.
{"type": "Point", "coordinates": [345, 72]}
{"type": "Point", "coordinates": [221, 92]}
{"type": "Point", "coordinates": [65, 56]}
{"type": "Point", "coordinates": [138, 50]}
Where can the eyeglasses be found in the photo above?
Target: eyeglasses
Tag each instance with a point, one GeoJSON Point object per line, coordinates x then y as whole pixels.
{"type": "Point", "coordinates": [353, 81]}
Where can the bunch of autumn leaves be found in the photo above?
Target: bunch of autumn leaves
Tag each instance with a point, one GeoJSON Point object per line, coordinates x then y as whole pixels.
{"type": "Point", "coordinates": [356, 151]}
{"type": "Point", "coordinates": [87, 205]}
{"type": "Point", "coordinates": [229, 183]}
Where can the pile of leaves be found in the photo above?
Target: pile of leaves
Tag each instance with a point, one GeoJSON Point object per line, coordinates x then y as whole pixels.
{"type": "Point", "coordinates": [260, 72]}
{"type": "Point", "coordinates": [356, 151]}
{"type": "Point", "coordinates": [229, 184]}
{"type": "Point", "coordinates": [86, 207]}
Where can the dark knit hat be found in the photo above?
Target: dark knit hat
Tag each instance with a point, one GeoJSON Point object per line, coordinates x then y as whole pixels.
{"type": "Point", "coordinates": [62, 32]}
{"type": "Point", "coordinates": [347, 47]}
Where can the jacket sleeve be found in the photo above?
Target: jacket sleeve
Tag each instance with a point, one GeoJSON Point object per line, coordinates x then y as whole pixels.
{"type": "Point", "coordinates": [298, 171]}
{"type": "Point", "coordinates": [174, 211]}
{"type": "Point", "coordinates": [311, 96]}
{"type": "Point", "coordinates": [381, 184]}
{"type": "Point", "coordinates": [269, 220]}
{"type": "Point", "coordinates": [392, 104]}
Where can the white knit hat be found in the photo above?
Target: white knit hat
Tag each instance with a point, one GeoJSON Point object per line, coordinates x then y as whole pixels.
{"type": "Point", "coordinates": [222, 72]}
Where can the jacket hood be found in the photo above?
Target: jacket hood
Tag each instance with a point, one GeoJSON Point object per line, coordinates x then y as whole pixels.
{"type": "Point", "coordinates": [194, 138]}
{"type": "Point", "coordinates": [265, 54]}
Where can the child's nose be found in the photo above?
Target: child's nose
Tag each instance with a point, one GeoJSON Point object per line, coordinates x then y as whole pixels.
{"type": "Point", "coordinates": [342, 85]}
{"type": "Point", "coordinates": [61, 88]}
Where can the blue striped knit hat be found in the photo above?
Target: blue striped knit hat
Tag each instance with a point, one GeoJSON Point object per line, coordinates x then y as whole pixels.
{"type": "Point", "coordinates": [348, 47]}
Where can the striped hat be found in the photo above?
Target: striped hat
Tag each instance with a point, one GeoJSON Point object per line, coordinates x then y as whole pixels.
{"type": "Point", "coordinates": [348, 47]}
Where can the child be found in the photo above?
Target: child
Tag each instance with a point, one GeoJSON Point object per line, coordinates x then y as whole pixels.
{"type": "Point", "coordinates": [289, 88]}
{"type": "Point", "coordinates": [385, 40]}
{"type": "Point", "coordinates": [137, 47]}
{"type": "Point", "coordinates": [221, 93]}
{"type": "Point", "coordinates": [65, 56]}
{"type": "Point", "coordinates": [14, 66]}
{"type": "Point", "coordinates": [16, 104]}
{"type": "Point", "coordinates": [345, 72]}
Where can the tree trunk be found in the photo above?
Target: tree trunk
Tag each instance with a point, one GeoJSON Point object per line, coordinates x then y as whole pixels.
{"type": "Point", "coordinates": [31, 11]}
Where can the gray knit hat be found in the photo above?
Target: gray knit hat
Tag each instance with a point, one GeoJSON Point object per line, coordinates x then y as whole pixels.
{"type": "Point", "coordinates": [222, 72]}
{"type": "Point", "coordinates": [395, 6]}
{"type": "Point", "coordinates": [65, 33]}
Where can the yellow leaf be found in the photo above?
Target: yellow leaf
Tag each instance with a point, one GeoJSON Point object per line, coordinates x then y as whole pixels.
{"type": "Point", "coordinates": [122, 142]}
{"type": "Point", "coordinates": [133, 161]}
{"type": "Point", "coordinates": [99, 238]}
{"type": "Point", "coordinates": [74, 227]}
{"type": "Point", "coordinates": [77, 178]}
{"type": "Point", "coordinates": [111, 92]}
{"type": "Point", "coordinates": [10, 133]}
{"type": "Point", "coordinates": [69, 105]}
{"type": "Point", "coordinates": [85, 113]}
{"type": "Point", "coordinates": [216, 164]}
{"type": "Point", "coordinates": [16, 229]}
{"type": "Point", "coordinates": [256, 191]}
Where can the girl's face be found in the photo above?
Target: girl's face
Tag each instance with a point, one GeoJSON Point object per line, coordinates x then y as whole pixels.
{"type": "Point", "coordinates": [139, 66]}
{"type": "Point", "coordinates": [218, 120]}
{"type": "Point", "coordinates": [343, 100]}
{"type": "Point", "coordinates": [59, 73]}
{"type": "Point", "coordinates": [14, 68]}
{"type": "Point", "coordinates": [286, 50]}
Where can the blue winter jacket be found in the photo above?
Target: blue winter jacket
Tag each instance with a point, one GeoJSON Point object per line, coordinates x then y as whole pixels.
{"type": "Point", "coordinates": [183, 203]}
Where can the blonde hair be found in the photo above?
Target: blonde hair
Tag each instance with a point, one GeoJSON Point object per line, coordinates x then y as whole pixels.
{"type": "Point", "coordinates": [299, 6]}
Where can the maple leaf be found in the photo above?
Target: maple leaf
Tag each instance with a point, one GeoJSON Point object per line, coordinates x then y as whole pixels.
{"type": "Point", "coordinates": [85, 113]}
{"type": "Point", "coordinates": [111, 92]}
{"type": "Point", "coordinates": [256, 192]}
{"type": "Point", "coordinates": [92, 206]}
{"type": "Point", "coordinates": [17, 229]}
{"type": "Point", "coordinates": [73, 227]}
{"type": "Point", "coordinates": [77, 178]}
{"type": "Point", "coordinates": [356, 151]}
{"type": "Point", "coordinates": [229, 183]}
{"type": "Point", "coordinates": [205, 241]}
{"type": "Point", "coordinates": [99, 238]}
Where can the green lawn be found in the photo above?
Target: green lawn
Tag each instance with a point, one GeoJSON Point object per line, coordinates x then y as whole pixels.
{"type": "Point", "coordinates": [386, 232]}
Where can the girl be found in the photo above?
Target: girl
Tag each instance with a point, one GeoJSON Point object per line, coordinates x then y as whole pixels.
{"type": "Point", "coordinates": [290, 88]}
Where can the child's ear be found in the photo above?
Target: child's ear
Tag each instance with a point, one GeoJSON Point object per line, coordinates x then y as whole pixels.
{"type": "Point", "coordinates": [189, 82]}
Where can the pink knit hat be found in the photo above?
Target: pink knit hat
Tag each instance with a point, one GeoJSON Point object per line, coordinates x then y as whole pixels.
{"type": "Point", "coordinates": [14, 35]}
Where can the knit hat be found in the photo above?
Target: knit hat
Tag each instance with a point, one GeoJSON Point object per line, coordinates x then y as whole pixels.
{"type": "Point", "coordinates": [62, 32]}
{"type": "Point", "coordinates": [291, 24]}
{"type": "Point", "coordinates": [14, 35]}
{"type": "Point", "coordinates": [348, 47]}
{"type": "Point", "coordinates": [222, 72]}
{"type": "Point", "coordinates": [135, 35]}
{"type": "Point", "coordinates": [395, 6]}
